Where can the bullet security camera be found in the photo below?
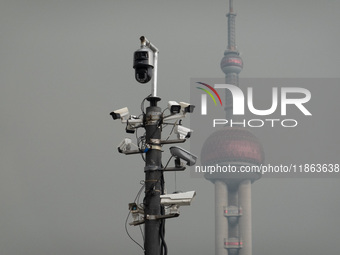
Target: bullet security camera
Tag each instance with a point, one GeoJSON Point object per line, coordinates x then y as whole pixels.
{"type": "Point", "coordinates": [128, 148]}
{"type": "Point", "coordinates": [179, 199]}
{"type": "Point", "coordinates": [125, 145]}
{"type": "Point", "coordinates": [132, 123]}
{"type": "Point", "coordinates": [186, 107]}
{"type": "Point", "coordinates": [122, 114]}
{"type": "Point", "coordinates": [182, 132]}
{"type": "Point", "coordinates": [130, 129]}
{"type": "Point", "coordinates": [135, 211]}
{"type": "Point", "coordinates": [174, 107]}
{"type": "Point", "coordinates": [185, 155]}
{"type": "Point", "coordinates": [143, 64]}
{"type": "Point", "coordinates": [133, 207]}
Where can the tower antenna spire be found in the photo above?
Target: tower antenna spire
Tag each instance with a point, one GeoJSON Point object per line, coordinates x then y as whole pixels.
{"type": "Point", "coordinates": [231, 27]}
{"type": "Point", "coordinates": [231, 63]}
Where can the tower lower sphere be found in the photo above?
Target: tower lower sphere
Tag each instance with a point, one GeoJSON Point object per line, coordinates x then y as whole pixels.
{"type": "Point", "coordinates": [234, 147]}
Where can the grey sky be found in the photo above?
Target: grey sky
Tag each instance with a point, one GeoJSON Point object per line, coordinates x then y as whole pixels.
{"type": "Point", "coordinates": [64, 188]}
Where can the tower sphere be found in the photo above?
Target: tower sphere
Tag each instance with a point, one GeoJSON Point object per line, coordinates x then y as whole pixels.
{"type": "Point", "coordinates": [232, 145]}
{"type": "Point", "coordinates": [231, 62]}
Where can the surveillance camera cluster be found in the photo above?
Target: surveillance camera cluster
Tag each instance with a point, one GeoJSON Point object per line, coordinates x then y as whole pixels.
{"type": "Point", "coordinates": [132, 122]}
{"type": "Point", "coordinates": [178, 111]}
{"type": "Point", "coordinates": [149, 145]}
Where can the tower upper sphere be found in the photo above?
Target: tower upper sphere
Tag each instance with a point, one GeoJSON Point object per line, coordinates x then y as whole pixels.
{"type": "Point", "coordinates": [231, 62]}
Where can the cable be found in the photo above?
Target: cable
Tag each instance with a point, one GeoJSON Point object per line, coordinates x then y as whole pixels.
{"type": "Point", "coordinates": [141, 231]}
{"type": "Point", "coordinates": [175, 182]}
{"type": "Point", "coordinates": [126, 229]}
{"type": "Point", "coordinates": [164, 110]}
{"type": "Point", "coordinates": [172, 130]}
{"type": "Point", "coordinates": [142, 104]}
{"type": "Point", "coordinates": [142, 182]}
{"type": "Point", "coordinates": [164, 247]}
{"type": "Point", "coordinates": [139, 139]}
{"type": "Point", "coordinates": [158, 124]}
{"type": "Point", "coordinates": [167, 163]}
{"type": "Point", "coordinates": [140, 227]}
{"type": "Point", "coordinates": [127, 232]}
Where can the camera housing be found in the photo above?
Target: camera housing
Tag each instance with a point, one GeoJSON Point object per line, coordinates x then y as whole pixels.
{"type": "Point", "coordinates": [178, 199]}
{"type": "Point", "coordinates": [132, 123]}
{"type": "Point", "coordinates": [125, 145]}
{"type": "Point", "coordinates": [122, 114]}
{"type": "Point", "coordinates": [186, 107]}
{"type": "Point", "coordinates": [174, 107]}
{"type": "Point", "coordinates": [133, 208]}
{"type": "Point", "coordinates": [180, 153]}
{"type": "Point", "coordinates": [143, 64]}
{"type": "Point", "coordinates": [182, 132]}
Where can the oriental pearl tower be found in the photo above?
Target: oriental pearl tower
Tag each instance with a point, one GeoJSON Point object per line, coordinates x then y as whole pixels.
{"type": "Point", "coordinates": [233, 146]}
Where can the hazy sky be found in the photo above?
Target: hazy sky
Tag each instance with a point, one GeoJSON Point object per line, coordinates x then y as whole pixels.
{"type": "Point", "coordinates": [64, 65]}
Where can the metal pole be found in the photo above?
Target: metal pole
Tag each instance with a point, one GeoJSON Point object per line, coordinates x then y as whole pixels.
{"type": "Point", "coordinates": [155, 70]}
{"type": "Point", "coordinates": [153, 178]}
{"type": "Point", "coordinates": [145, 41]}
{"type": "Point", "coordinates": [152, 120]}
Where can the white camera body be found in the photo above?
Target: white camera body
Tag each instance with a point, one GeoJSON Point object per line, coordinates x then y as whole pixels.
{"type": "Point", "coordinates": [174, 107]}
{"type": "Point", "coordinates": [122, 114]}
{"type": "Point", "coordinates": [186, 107]}
{"type": "Point", "coordinates": [178, 199]}
{"type": "Point", "coordinates": [125, 145]}
{"type": "Point", "coordinates": [182, 132]}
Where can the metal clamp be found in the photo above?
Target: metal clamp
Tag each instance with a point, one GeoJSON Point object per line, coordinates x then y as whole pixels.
{"type": "Point", "coordinates": [151, 217]}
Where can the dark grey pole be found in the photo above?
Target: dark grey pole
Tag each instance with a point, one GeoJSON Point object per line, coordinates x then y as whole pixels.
{"type": "Point", "coordinates": [153, 176]}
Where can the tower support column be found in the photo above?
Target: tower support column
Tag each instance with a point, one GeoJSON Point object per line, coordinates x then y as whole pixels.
{"type": "Point", "coordinates": [221, 222]}
{"type": "Point", "coordinates": [233, 201]}
{"type": "Point", "coordinates": [245, 220]}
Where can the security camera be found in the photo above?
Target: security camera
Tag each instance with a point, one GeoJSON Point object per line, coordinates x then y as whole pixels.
{"type": "Point", "coordinates": [174, 107]}
{"type": "Point", "coordinates": [125, 145]}
{"type": "Point", "coordinates": [136, 211]}
{"type": "Point", "coordinates": [132, 123]}
{"type": "Point", "coordinates": [130, 129]}
{"type": "Point", "coordinates": [182, 132]}
{"type": "Point", "coordinates": [180, 153]}
{"type": "Point", "coordinates": [179, 199]}
{"type": "Point", "coordinates": [143, 64]}
{"type": "Point", "coordinates": [186, 107]}
{"type": "Point", "coordinates": [122, 114]}
{"type": "Point", "coordinates": [133, 207]}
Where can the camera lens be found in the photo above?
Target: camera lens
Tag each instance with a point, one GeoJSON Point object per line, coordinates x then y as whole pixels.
{"type": "Point", "coordinates": [142, 76]}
